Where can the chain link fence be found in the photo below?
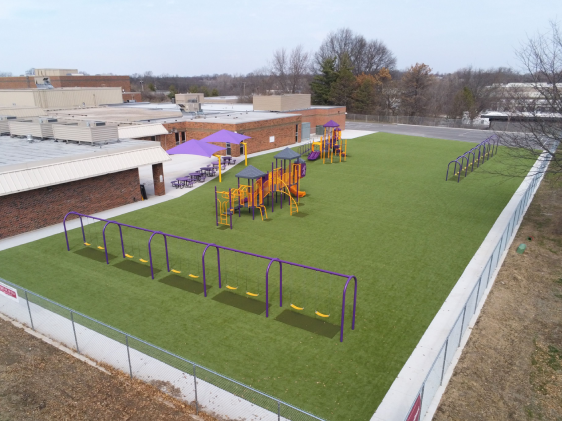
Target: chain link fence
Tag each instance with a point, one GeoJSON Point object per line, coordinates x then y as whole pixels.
{"type": "Point", "coordinates": [420, 121]}
{"type": "Point", "coordinates": [434, 378]}
{"type": "Point", "coordinates": [199, 386]}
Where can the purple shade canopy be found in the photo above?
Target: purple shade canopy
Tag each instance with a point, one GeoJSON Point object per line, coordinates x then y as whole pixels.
{"type": "Point", "coordinates": [195, 147]}
{"type": "Point", "coordinates": [225, 136]}
{"type": "Point", "coordinates": [331, 123]}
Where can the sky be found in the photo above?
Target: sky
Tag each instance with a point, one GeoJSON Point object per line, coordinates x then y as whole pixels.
{"type": "Point", "coordinates": [189, 38]}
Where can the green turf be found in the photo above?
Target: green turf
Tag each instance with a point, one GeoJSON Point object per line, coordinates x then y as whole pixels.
{"type": "Point", "coordinates": [387, 216]}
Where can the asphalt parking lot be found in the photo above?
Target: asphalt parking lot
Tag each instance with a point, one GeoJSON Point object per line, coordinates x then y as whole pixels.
{"type": "Point", "coordinates": [464, 135]}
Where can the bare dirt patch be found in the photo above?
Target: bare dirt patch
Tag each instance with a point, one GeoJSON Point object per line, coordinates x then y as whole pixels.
{"type": "Point", "coordinates": [511, 368]}
{"type": "Point", "coordinates": [41, 382]}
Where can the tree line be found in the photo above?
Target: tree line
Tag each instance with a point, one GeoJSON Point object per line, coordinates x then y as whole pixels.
{"type": "Point", "coordinates": [350, 70]}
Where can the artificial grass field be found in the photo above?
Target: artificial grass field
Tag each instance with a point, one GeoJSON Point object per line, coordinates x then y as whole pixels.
{"type": "Point", "coordinates": [386, 216]}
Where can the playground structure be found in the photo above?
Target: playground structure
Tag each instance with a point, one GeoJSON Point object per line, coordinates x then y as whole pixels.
{"type": "Point", "coordinates": [261, 187]}
{"type": "Point", "coordinates": [479, 154]}
{"type": "Point", "coordinates": [330, 144]}
{"type": "Point", "coordinates": [269, 260]}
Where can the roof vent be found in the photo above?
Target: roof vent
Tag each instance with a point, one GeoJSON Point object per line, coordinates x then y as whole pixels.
{"type": "Point", "coordinates": [29, 138]}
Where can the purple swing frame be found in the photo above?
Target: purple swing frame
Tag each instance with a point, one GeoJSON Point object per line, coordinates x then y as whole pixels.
{"type": "Point", "coordinates": [218, 248]}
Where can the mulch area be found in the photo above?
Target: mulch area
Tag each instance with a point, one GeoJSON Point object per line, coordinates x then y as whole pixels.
{"type": "Point", "coordinates": [511, 368]}
{"type": "Point", "coordinates": [41, 382]}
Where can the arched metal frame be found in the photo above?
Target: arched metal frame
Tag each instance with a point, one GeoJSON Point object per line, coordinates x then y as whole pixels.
{"type": "Point", "coordinates": [218, 248]}
{"type": "Point", "coordinates": [486, 149]}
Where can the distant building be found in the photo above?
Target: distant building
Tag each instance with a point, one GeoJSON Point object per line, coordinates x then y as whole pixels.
{"type": "Point", "coordinates": [68, 78]}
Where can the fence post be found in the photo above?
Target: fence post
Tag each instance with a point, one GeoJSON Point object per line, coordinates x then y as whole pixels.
{"type": "Point", "coordinates": [478, 292]}
{"type": "Point", "coordinates": [462, 325]}
{"type": "Point", "coordinates": [444, 361]}
{"type": "Point", "coordinates": [195, 383]}
{"type": "Point", "coordinates": [74, 330]}
{"type": "Point", "coordinates": [129, 356]}
{"type": "Point", "coordinates": [29, 309]}
{"type": "Point", "coordinates": [278, 411]}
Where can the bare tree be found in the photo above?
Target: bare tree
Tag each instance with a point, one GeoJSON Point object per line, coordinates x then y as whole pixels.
{"type": "Point", "coordinates": [299, 64]}
{"type": "Point", "coordinates": [367, 57]}
{"type": "Point", "coordinates": [536, 108]}
{"type": "Point", "coordinates": [5, 74]}
{"type": "Point", "coordinates": [279, 68]}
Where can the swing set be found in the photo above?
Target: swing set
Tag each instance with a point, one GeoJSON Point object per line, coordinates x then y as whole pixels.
{"type": "Point", "coordinates": [231, 284]}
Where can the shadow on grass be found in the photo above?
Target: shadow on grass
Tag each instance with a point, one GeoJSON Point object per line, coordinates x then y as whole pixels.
{"type": "Point", "coordinates": [300, 214]}
{"type": "Point", "coordinates": [136, 268]}
{"type": "Point", "coordinates": [223, 227]}
{"type": "Point", "coordinates": [310, 324]}
{"type": "Point", "coordinates": [184, 283]}
{"type": "Point", "coordinates": [94, 254]}
{"type": "Point", "coordinates": [243, 303]}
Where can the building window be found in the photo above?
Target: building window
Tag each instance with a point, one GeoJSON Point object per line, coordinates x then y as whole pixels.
{"type": "Point", "coordinates": [228, 149]}
{"type": "Point", "coordinates": [241, 148]}
{"type": "Point", "coordinates": [177, 138]}
{"type": "Point", "coordinates": [182, 137]}
{"type": "Point", "coordinates": [296, 133]}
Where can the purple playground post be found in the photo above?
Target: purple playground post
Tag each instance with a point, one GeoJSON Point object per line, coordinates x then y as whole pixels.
{"type": "Point", "coordinates": [218, 248]}
{"type": "Point", "coordinates": [216, 207]}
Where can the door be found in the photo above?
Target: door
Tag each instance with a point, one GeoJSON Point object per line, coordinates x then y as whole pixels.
{"type": "Point", "coordinates": [305, 134]}
{"type": "Point", "coordinates": [228, 149]}
{"type": "Point", "coordinates": [296, 133]}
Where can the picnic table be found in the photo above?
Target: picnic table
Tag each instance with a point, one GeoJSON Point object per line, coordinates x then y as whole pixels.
{"type": "Point", "coordinates": [182, 182]}
{"type": "Point", "coordinates": [216, 165]}
{"type": "Point", "coordinates": [208, 170]}
{"type": "Point", "coordinates": [197, 176]}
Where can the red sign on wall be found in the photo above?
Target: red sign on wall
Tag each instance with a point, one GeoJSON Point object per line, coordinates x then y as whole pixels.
{"type": "Point", "coordinates": [415, 412]}
{"type": "Point", "coordinates": [8, 292]}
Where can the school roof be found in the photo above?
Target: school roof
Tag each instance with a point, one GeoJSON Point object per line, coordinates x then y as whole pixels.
{"type": "Point", "coordinates": [27, 166]}
{"type": "Point", "coordinates": [287, 154]}
{"type": "Point", "coordinates": [251, 173]}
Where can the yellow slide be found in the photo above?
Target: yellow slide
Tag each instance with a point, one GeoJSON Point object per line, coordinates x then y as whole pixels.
{"type": "Point", "coordinates": [293, 191]}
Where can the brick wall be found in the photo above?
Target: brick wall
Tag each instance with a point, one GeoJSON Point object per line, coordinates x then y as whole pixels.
{"type": "Point", "coordinates": [284, 130]}
{"type": "Point", "coordinates": [28, 82]}
{"type": "Point", "coordinates": [31, 210]}
{"type": "Point", "coordinates": [320, 116]}
{"type": "Point", "coordinates": [135, 96]}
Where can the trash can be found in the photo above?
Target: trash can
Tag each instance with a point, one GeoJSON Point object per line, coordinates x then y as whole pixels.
{"type": "Point", "coordinates": [143, 192]}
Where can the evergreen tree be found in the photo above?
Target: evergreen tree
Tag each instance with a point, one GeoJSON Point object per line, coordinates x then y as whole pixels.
{"type": "Point", "coordinates": [215, 92]}
{"type": "Point", "coordinates": [321, 85]}
{"type": "Point", "coordinates": [173, 92]}
{"type": "Point", "coordinates": [341, 92]}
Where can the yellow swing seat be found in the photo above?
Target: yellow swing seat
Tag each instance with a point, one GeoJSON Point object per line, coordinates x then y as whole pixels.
{"type": "Point", "coordinates": [129, 256]}
{"type": "Point", "coordinates": [101, 248]}
{"type": "Point", "coordinates": [251, 294]}
{"type": "Point", "coordinates": [176, 271]}
{"type": "Point", "coordinates": [191, 275]}
{"type": "Point", "coordinates": [229, 287]}
{"type": "Point", "coordinates": [87, 244]}
{"type": "Point", "coordinates": [320, 314]}
{"type": "Point", "coordinates": [144, 261]}
{"type": "Point", "coordinates": [297, 308]}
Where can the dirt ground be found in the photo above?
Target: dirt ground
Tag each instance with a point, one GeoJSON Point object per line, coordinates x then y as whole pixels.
{"type": "Point", "coordinates": [511, 368]}
{"type": "Point", "coordinates": [40, 382]}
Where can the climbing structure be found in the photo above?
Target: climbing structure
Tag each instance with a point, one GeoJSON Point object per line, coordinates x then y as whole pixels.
{"type": "Point", "coordinates": [331, 147]}
{"type": "Point", "coordinates": [283, 182]}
